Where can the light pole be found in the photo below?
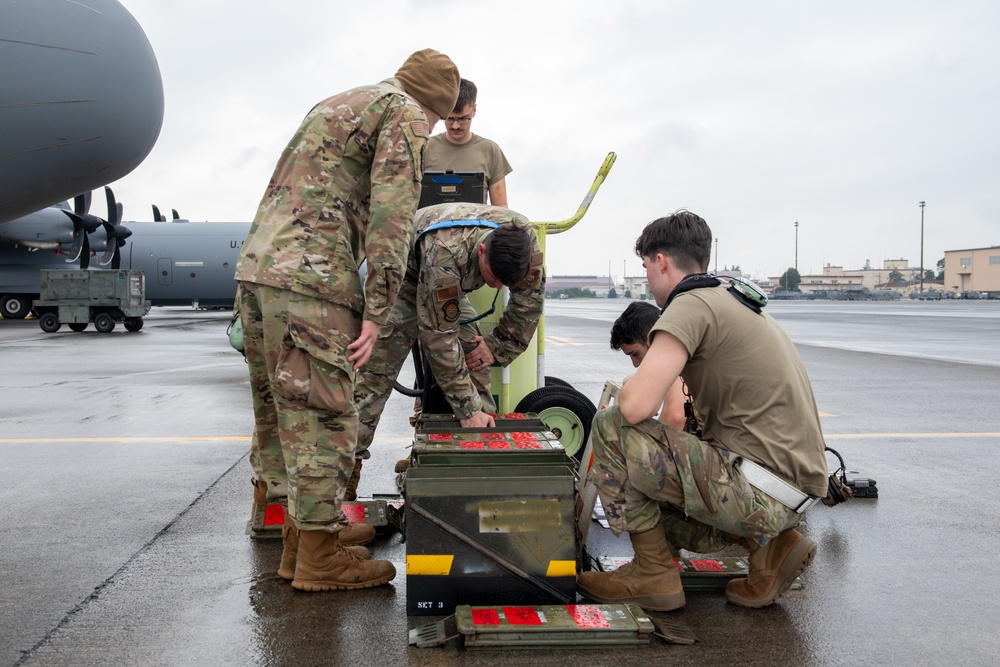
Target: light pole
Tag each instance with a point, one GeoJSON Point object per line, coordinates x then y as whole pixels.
{"type": "Point", "coordinates": [796, 247]}
{"type": "Point", "coordinates": [716, 255]}
{"type": "Point", "coordinates": [921, 247]}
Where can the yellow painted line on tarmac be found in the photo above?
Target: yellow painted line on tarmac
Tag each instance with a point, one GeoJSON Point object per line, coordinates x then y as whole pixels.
{"type": "Point", "coordinates": [560, 342]}
{"type": "Point", "coordinates": [826, 414]}
{"type": "Point", "coordinates": [859, 436]}
{"type": "Point", "coordinates": [180, 438]}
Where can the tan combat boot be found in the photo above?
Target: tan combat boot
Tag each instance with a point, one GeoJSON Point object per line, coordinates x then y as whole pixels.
{"type": "Point", "coordinates": [323, 565]}
{"type": "Point", "coordinates": [259, 491]}
{"type": "Point", "coordinates": [356, 533]}
{"type": "Point", "coordinates": [773, 569]}
{"type": "Point", "coordinates": [651, 580]}
{"type": "Point", "coordinates": [352, 484]}
{"type": "Point", "coordinates": [402, 465]}
{"type": "Point", "coordinates": [290, 550]}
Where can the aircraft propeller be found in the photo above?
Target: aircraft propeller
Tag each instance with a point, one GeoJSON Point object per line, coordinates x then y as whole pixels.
{"type": "Point", "coordinates": [115, 232]}
{"type": "Point", "coordinates": [83, 224]}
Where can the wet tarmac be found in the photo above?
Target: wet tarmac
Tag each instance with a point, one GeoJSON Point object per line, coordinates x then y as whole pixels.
{"type": "Point", "coordinates": [127, 494]}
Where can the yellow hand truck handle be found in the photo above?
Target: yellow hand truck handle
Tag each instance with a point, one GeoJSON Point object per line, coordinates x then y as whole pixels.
{"type": "Point", "coordinates": [562, 226]}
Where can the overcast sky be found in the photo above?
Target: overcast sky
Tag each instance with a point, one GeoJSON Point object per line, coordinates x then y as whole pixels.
{"type": "Point", "coordinates": [839, 115]}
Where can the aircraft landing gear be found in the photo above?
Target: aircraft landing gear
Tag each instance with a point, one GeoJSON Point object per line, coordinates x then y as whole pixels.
{"type": "Point", "coordinates": [14, 306]}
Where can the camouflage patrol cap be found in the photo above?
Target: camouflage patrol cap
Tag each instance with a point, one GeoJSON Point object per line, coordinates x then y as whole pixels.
{"type": "Point", "coordinates": [431, 78]}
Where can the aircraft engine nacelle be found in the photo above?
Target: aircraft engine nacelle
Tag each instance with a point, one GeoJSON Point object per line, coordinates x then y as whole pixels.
{"type": "Point", "coordinates": [75, 233]}
{"type": "Point", "coordinates": [51, 229]}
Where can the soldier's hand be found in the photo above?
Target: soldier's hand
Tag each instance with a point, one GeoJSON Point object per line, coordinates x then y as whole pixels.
{"type": "Point", "coordinates": [480, 357]}
{"type": "Point", "coordinates": [362, 347]}
{"type": "Point", "coordinates": [478, 420]}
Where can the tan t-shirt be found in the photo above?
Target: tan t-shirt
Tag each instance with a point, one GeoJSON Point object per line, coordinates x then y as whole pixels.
{"type": "Point", "coordinates": [477, 154]}
{"type": "Point", "coordinates": [749, 384]}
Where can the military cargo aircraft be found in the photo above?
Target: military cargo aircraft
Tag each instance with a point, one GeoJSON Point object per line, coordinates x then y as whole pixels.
{"type": "Point", "coordinates": [81, 105]}
{"type": "Point", "coordinates": [185, 263]}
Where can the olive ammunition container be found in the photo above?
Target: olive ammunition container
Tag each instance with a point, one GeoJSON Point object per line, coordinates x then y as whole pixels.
{"type": "Point", "coordinates": [552, 626]}
{"type": "Point", "coordinates": [510, 421]}
{"type": "Point", "coordinates": [490, 520]}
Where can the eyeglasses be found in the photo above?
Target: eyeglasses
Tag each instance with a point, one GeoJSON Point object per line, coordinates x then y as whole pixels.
{"type": "Point", "coordinates": [462, 120]}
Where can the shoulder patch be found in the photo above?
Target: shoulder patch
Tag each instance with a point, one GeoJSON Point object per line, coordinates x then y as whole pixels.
{"type": "Point", "coordinates": [420, 128]}
{"type": "Point", "coordinates": [451, 310]}
{"type": "Point", "coordinates": [537, 259]}
{"type": "Point", "coordinates": [446, 293]}
{"type": "Point", "coordinates": [533, 277]}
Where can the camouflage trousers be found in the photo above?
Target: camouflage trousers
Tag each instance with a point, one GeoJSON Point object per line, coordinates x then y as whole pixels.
{"type": "Point", "coordinates": [376, 378]}
{"type": "Point", "coordinates": [305, 422]}
{"type": "Point", "coordinates": [651, 473]}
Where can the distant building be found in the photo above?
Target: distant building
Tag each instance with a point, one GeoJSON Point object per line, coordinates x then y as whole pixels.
{"type": "Point", "coordinates": [880, 280]}
{"type": "Point", "coordinates": [599, 285]}
{"type": "Point", "coordinates": [972, 270]}
{"type": "Point", "coordinates": [637, 286]}
{"type": "Point", "coordinates": [832, 279]}
{"type": "Point", "coordinates": [835, 278]}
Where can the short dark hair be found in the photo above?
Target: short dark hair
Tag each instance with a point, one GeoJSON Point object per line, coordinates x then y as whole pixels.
{"type": "Point", "coordinates": [633, 325]}
{"type": "Point", "coordinates": [466, 94]}
{"type": "Point", "coordinates": [508, 253]}
{"type": "Point", "coordinates": [682, 236]}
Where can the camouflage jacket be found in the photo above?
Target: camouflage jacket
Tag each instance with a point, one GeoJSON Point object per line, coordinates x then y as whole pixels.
{"type": "Point", "coordinates": [448, 269]}
{"type": "Point", "coordinates": [345, 188]}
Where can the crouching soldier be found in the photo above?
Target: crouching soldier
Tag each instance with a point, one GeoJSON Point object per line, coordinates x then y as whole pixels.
{"type": "Point", "coordinates": [760, 463]}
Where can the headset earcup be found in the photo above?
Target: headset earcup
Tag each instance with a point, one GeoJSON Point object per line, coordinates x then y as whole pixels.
{"type": "Point", "coordinates": [836, 492]}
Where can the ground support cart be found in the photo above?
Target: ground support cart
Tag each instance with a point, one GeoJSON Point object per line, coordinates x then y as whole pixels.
{"type": "Point", "coordinates": [78, 297]}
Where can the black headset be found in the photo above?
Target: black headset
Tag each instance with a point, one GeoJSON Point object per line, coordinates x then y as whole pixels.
{"type": "Point", "coordinates": [693, 281]}
{"type": "Point", "coordinates": [837, 490]}
{"type": "Point", "coordinates": [745, 291]}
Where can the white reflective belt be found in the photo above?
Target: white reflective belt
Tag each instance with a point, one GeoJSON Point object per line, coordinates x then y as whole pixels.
{"type": "Point", "coordinates": [763, 479]}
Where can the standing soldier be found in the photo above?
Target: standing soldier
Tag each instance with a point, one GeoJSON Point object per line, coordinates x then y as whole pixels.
{"type": "Point", "coordinates": [345, 188]}
{"type": "Point", "coordinates": [458, 149]}
{"type": "Point", "coordinates": [458, 249]}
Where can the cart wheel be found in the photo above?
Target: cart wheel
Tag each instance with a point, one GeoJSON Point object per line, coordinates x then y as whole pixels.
{"type": "Point", "coordinates": [133, 323]}
{"type": "Point", "coordinates": [104, 323]}
{"type": "Point", "coordinates": [78, 326]}
{"type": "Point", "coordinates": [49, 323]}
{"type": "Point", "coordinates": [565, 411]}
{"type": "Point", "coordinates": [556, 382]}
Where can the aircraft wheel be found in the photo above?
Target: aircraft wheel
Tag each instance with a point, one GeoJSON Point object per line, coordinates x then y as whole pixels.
{"type": "Point", "coordinates": [49, 323]}
{"type": "Point", "coordinates": [566, 412]}
{"type": "Point", "coordinates": [78, 326]}
{"type": "Point", "coordinates": [133, 323]}
{"type": "Point", "coordinates": [104, 323]}
{"type": "Point", "coordinates": [556, 382]}
{"type": "Point", "coordinates": [14, 307]}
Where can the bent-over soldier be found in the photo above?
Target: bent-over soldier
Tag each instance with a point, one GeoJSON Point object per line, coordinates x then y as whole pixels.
{"type": "Point", "coordinates": [458, 249]}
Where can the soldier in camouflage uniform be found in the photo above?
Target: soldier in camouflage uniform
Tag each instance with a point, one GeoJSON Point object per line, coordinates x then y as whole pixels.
{"type": "Point", "coordinates": [345, 188]}
{"type": "Point", "coordinates": [760, 464]}
{"type": "Point", "coordinates": [446, 264]}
